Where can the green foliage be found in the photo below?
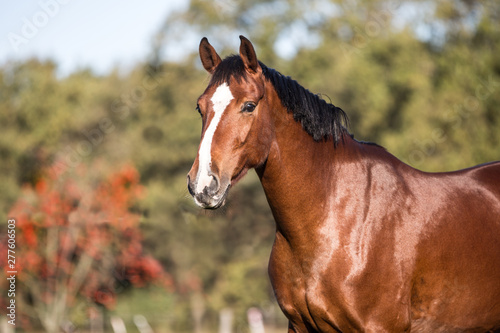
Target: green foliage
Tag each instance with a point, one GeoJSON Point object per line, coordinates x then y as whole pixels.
{"type": "Point", "coordinates": [433, 102]}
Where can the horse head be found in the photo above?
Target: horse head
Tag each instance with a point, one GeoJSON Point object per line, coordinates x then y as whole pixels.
{"type": "Point", "coordinates": [236, 132]}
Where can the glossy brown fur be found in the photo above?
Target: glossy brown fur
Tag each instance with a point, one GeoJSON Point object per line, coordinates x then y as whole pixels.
{"type": "Point", "coordinates": [364, 242]}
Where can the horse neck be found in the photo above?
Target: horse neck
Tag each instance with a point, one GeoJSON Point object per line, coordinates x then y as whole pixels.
{"type": "Point", "coordinates": [299, 174]}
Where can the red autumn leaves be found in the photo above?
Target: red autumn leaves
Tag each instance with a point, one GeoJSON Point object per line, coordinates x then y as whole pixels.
{"type": "Point", "coordinates": [78, 236]}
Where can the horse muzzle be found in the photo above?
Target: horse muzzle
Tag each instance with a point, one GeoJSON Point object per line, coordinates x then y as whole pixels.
{"type": "Point", "coordinates": [211, 196]}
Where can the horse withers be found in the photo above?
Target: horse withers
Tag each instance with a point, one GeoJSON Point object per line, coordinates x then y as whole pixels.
{"type": "Point", "coordinates": [364, 242]}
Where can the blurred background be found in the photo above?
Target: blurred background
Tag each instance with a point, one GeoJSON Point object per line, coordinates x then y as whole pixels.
{"type": "Point", "coordinates": [98, 130]}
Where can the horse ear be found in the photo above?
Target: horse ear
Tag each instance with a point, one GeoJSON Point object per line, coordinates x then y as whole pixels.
{"type": "Point", "coordinates": [209, 57]}
{"type": "Point", "coordinates": [247, 54]}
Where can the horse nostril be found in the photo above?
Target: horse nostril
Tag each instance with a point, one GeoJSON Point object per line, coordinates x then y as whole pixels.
{"type": "Point", "coordinates": [213, 187]}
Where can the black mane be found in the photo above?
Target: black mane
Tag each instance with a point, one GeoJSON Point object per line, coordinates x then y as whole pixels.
{"type": "Point", "coordinates": [319, 119]}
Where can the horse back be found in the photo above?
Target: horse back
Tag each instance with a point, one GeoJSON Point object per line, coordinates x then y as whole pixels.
{"type": "Point", "coordinates": [487, 175]}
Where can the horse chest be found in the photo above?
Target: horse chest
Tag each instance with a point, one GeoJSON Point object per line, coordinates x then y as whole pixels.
{"type": "Point", "coordinates": [305, 293]}
{"type": "Point", "coordinates": [318, 293]}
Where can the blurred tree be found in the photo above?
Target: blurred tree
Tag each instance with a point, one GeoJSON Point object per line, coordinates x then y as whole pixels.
{"type": "Point", "coordinates": [77, 237]}
{"type": "Point", "coordinates": [42, 116]}
{"type": "Point", "coordinates": [291, 23]}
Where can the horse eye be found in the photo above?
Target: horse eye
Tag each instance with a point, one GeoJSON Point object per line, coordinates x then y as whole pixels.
{"type": "Point", "coordinates": [248, 107]}
{"type": "Point", "coordinates": [198, 109]}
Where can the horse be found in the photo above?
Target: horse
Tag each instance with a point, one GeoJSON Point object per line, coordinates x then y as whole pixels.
{"type": "Point", "coordinates": [364, 242]}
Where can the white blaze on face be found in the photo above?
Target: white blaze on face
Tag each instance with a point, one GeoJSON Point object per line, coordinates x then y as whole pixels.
{"type": "Point", "coordinates": [220, 100]}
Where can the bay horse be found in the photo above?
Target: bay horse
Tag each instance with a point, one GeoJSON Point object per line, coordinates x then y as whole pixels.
{"type": "Point", "coordinates": [364, 242]}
